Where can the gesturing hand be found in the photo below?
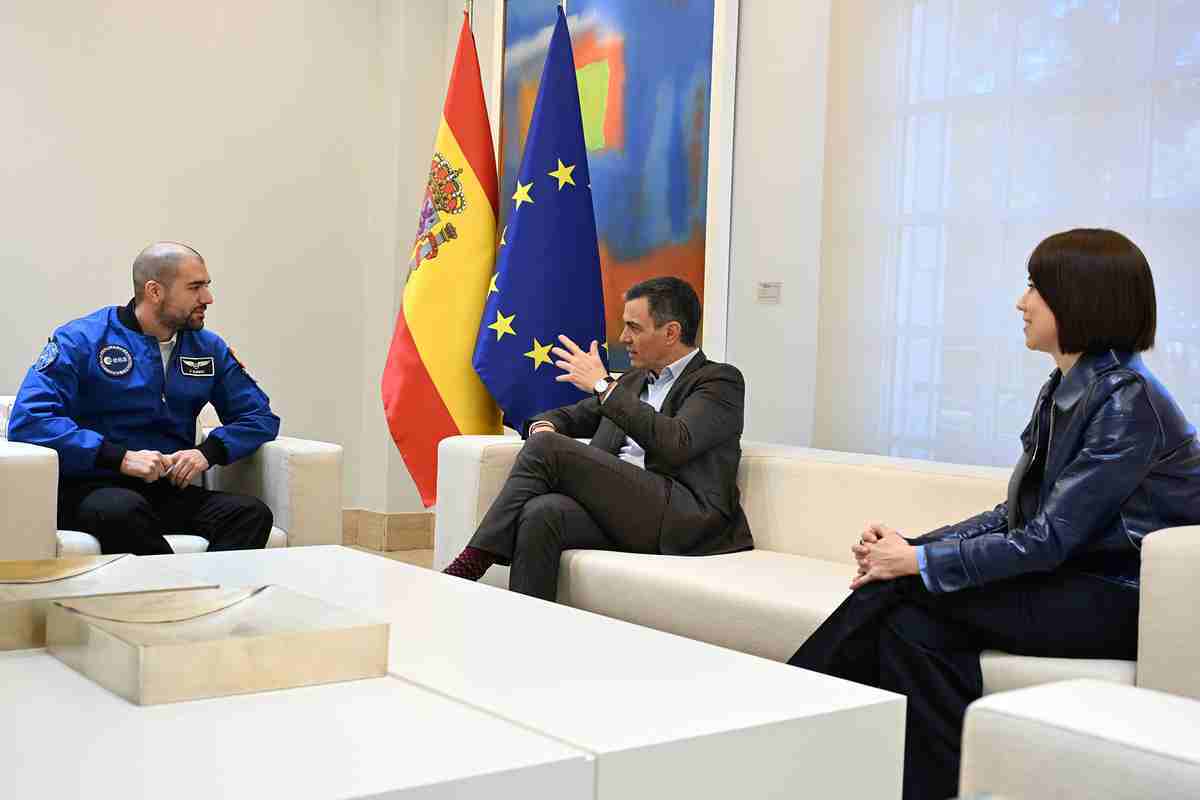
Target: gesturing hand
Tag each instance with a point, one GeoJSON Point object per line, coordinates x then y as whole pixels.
{"type": "Point", "coordinates": [882, 555]}
{"type": "Point", "coordinates": [581, 369]}
{"type": "Point", "coordinates": [185, 465]}
{"type": "Point", "coordinates": [149, 465]}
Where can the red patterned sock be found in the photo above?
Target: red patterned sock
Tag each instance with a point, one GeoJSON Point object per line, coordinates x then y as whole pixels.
{"type": "Point", "coordinates": [471, 564]}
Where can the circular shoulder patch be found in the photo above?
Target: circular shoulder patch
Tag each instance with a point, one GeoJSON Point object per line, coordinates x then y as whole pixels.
{"type": "Point", "coordinates": [49, 356]}
{"type": "Point", "coordinates": [115, 360]}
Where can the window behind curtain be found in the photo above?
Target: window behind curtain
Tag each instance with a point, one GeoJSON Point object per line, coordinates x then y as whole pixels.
{"type": "Point", "coordinates": [962, 133]}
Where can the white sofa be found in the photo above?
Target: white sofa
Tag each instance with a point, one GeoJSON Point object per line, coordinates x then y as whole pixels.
{"type": "Point", "coordinates": [806, 507]}
{"type": "Point", "coordinates": [300, 480]}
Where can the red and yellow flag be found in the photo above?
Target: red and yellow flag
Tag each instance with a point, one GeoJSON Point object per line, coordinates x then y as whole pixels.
{"type": "Point", "coordinates": [430, 390]}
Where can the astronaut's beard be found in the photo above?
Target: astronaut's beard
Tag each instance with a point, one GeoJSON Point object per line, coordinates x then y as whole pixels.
{"type": "Point", "coordinates": [195, 320]}
{"type": "Point", "coordinates": [182, 320]}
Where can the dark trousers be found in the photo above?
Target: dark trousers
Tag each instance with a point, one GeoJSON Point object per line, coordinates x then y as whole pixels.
{"type": "Point", "coordinates": [563, 495]}
{"type": "Point", "coordinates": [130, 516]}
{"type": "Point", "coordinates": [896, 635]}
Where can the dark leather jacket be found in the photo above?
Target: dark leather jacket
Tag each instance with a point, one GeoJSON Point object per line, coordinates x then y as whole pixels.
{"type": "Point", "coordinates": [1118, 461]}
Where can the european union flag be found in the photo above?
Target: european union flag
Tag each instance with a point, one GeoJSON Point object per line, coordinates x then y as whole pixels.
{"type": "Point", "coordinates": [547, 279]}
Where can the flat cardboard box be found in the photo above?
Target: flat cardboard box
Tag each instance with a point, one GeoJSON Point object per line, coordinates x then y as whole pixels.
{"type": "Point", "coordinates": [27, 588]}
{"type": "Point", "coordinates": [173, 646]}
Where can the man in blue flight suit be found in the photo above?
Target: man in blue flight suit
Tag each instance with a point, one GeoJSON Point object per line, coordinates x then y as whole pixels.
{"type": "Point", "coordinates": [117, 394]}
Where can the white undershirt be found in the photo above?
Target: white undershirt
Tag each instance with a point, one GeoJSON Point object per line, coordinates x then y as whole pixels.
{"type": "Point", "coordinates": [165, 348]}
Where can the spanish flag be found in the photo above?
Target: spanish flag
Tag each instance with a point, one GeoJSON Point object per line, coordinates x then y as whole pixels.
{"type": "Point", "coordinates": [430, 389]}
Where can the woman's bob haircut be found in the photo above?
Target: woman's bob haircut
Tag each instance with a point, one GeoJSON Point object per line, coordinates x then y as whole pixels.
{"type": "Point", "coordinates": [1099, 286]}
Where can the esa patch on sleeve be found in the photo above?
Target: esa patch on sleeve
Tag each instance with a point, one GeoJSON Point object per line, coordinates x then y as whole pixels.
{"type": "Point", "coordinates": [233, 354]}
{"type": "Point", "coordinates": [48, 356]}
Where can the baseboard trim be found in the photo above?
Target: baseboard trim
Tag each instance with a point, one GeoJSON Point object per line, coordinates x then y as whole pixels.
{"type": "Point", "coordinates": [378, 530]}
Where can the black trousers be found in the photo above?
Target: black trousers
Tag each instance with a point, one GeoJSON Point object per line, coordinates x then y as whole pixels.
{"type": "Point", "coordinates": [563, 495]}
{"type": "Point", "coordinates": [897, 635]}
{"type": "Point", "coordinates": [130, 516]}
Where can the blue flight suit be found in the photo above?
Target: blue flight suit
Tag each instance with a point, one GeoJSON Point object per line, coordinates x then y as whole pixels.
{"type": "Point", "coordinates": [99, 389]}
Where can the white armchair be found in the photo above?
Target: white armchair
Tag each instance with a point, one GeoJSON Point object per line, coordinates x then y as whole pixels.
{"type": "Point", "coordinates": [1081, 739]}
{"type": "Point", "coordinates": [299, 480]}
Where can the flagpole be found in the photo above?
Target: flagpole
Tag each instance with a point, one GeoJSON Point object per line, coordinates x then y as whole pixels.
{"type": "Point", "coordinates": [469, 7]}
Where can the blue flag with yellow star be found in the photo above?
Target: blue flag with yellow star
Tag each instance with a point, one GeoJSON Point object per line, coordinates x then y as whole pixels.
{"type": "Point", "coordinates": [547, 279]}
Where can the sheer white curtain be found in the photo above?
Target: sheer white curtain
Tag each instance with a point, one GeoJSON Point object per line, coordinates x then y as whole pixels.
{"type": "Point", "coordinates": [961, 133]}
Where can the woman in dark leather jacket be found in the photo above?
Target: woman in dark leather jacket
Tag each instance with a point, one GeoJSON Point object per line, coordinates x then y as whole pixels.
{"type": "Point", "coordinates": [1108, 459]}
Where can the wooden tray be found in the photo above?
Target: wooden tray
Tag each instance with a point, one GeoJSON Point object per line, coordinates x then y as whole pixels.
{"type": "Point", "coordinates": [172, 646]}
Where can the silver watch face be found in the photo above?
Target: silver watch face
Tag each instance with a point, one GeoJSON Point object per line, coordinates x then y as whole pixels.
{"type": "Point", "coordinates": [601, 386]}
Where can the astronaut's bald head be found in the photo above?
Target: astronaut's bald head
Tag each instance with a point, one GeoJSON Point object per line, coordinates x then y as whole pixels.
{"type": "Point", "coordinates": [160, 262]}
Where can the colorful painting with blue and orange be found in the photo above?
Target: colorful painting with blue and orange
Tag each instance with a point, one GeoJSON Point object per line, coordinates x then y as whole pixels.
{"type": "Point", "coordinates": [645, 77]}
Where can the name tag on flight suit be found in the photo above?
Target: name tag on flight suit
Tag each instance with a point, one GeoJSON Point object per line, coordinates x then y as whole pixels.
{"type": "Point", "coordinates": [197, 367]}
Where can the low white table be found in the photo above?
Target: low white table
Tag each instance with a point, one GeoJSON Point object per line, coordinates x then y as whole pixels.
{"type": "Point", "coordinates": [65, 737]}
{"type": "Point", "coordinates": [664, 716]}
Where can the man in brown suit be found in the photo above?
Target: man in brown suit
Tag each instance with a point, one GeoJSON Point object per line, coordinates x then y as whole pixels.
{"type": "Point", "coordinates": [659, 475]}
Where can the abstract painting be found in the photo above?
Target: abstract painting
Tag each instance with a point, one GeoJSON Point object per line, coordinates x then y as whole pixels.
{"type": "Point", "coordinates": [644, 69]}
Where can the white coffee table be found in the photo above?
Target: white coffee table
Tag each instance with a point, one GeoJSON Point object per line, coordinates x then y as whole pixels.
{"type": "Point", "coordinates": [664, 716]}
{"type": "Point", "coordinates": [65, 737]}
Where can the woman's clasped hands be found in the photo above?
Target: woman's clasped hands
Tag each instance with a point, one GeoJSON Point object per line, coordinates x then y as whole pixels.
{"type": "Point", "coordinates": [882, 554]}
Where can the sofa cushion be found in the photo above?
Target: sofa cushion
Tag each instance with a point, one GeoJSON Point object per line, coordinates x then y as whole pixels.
{"type": "Point", "coordinates": [764, 603]}
{"type": "Point", "coordinates": [1003, 672]}
{"type": "Point", "coordinates": [815, 503]}
{"type": "Point", "coordinates": [757, 602]}
{"type": "Point", "coordinates": [77, 543]}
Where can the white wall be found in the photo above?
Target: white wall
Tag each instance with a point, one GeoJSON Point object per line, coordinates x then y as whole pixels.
{"type": "Point", "coordinates": [284, 139]}
{"type": "Point", "coordinates": [778, 168]}
{"type": "Point", "coordinates": [779, 142]}
{"type": "Point", "coordinates": [856, 282]}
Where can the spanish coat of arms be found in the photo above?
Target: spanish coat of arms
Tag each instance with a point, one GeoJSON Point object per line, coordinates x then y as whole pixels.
{"type": "Point", "coordinates": [443, 197]}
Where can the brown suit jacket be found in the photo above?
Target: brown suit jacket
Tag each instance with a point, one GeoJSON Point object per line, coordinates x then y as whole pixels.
{"type": "Point", "coordinates": [695, 442]}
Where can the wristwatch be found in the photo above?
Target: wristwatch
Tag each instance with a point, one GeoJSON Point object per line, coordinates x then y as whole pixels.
{"type": "Point", "coordinates": [603, 384]}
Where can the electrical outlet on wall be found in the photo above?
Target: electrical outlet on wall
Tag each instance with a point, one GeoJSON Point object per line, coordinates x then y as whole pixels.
{"type": "Point", "coordinates": [770, 292]}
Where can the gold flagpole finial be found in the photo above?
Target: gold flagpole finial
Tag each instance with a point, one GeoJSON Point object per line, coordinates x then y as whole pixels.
{"type": "Point", "coordinates": [469, 8]}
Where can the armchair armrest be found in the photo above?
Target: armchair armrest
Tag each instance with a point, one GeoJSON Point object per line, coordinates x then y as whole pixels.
{"type": "Point", "coordinates": [6, 406]}
{"type": "Point", "coordinates": [28, 501]}
{"type": "Point", "coordinates": [301, 482]}
{"type": "Point", "coordinates": [1168, 650]}
{"type": "Point", "coordinates": [1081, 739]}
{"type": "Point", "coordinates": [471, 471]}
